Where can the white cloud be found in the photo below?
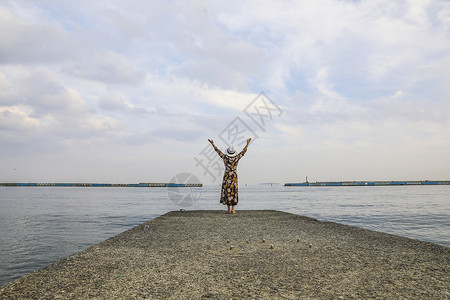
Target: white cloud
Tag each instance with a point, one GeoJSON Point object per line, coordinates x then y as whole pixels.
{"type": "Point", "coordinates": [114, 102]}
{"type": "Point", "coordinates": [357, 80]}
{"type": "Point", "coordinates": [45, 110]}
{"type": "Point", "coordinates": [108, 67]}
{"type": "Point", "coordinates": [26, 42]}
{"type": "Point", "coordinates": [14, 119]}
{"type": "Point", "coordinates": [7, 94]}
{"type": "Point", "coordinates": [42, 91]}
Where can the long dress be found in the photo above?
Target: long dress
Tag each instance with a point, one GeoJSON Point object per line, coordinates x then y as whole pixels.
{"type": "Point", "coordinates": [229, 195]}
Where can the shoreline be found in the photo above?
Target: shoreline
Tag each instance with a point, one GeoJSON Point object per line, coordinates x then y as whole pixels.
{"type": "Point", "coordinates": [186, 254]}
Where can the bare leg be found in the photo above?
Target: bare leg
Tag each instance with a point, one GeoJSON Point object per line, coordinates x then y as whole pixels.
{"type": "Point", "coordinates": [229, 210]}
{"type": "Point", "coordinates": [232, 210]}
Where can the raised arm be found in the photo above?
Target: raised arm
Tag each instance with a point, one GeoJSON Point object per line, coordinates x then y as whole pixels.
{"type": "Point", "coordinates": [217, 149]}
{"type": "Point", "coordinates": [245, 149]}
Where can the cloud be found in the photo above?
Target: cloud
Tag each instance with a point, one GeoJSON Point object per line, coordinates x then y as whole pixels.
{"type": "Point", "coordinates": [354, 79]}
{"type": "Point", "coordinates": [27, 42]}
{"type": "Point", "coordinates": [114, 103]}
{"type": "Point", "coordinates": [14, 119]}
{"type": "Point", "coordinates": [365, 49]}
{"type": "Point", "coordinates": [44, 110]}
{"type": "Point", "coordinates": [108, 67]}
{"type": "Point", "coordinates": [7, 95]}
{"type": "Point", "coordinates": [44, 93]}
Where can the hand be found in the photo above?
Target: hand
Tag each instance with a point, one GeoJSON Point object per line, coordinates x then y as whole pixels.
{"type": "Point", "coordinates": [211, 141]}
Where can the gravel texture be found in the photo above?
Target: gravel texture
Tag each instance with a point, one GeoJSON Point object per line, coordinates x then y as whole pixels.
{"type": "Point", "coordinates": [252, 254]}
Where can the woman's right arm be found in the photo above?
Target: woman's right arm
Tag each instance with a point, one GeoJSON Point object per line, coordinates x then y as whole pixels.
{"type": "Point", "coordinates": [217, 149]}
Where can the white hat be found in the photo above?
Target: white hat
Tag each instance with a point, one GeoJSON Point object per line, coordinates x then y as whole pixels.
{"type": "Point", "coordinates": [231, 150]}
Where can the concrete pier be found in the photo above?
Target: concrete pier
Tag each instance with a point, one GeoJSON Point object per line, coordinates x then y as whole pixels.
{"type": "Point", "coordinates": [252, 254]}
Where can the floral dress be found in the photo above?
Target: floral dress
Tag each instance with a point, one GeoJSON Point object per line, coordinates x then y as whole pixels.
{"type": "Point", "coordinates": [229, 194]}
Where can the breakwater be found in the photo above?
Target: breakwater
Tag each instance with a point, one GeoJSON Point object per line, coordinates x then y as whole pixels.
{"type": "Point", "coordinates": [68, 184]}
{"type": "Point", "coordinates": [370, 183]}
{"type": "Point", "coordinates": [188, 254]}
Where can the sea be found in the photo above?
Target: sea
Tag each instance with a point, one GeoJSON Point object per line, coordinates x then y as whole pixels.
{"type": "Point", "coordinates": [41, 225]}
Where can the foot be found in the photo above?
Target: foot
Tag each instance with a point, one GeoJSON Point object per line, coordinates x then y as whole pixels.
{"type": "Point", "coordinates": [233, 212]}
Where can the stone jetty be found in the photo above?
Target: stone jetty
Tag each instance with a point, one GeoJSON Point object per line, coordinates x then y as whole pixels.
{"type": "Point", "coordinates": [250, 255]}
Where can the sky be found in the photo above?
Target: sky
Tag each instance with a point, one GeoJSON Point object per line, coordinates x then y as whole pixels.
{"type": "Point", "coordinates": [131, 91]}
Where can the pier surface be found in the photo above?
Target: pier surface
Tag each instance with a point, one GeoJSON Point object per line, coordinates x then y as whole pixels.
{"type": "Point", "coordinates": [252, 254]}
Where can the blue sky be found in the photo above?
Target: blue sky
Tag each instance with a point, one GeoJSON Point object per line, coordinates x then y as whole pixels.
{"type": "Point", "coordinates": [130, 91]}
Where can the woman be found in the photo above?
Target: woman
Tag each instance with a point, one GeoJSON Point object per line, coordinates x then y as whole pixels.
{"type": "Point", "coordinates": [229, 194]}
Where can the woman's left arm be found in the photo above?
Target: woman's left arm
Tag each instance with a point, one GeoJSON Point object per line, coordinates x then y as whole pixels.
{"type": "Point", "coordinates": [245, 149]}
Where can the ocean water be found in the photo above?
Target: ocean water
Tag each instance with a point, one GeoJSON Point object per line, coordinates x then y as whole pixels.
{"type": "Point", "coordinates": [40, 225]}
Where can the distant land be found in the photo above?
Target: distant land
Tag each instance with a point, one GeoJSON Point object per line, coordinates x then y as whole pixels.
{"type": "Point", "coordinates": [67, 184]}
{"type": "Point", "coordinates": [170, 184]}
{"type": "Point", "coordinates": [371, 183]}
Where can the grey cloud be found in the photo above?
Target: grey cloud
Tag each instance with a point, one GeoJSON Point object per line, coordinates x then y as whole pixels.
{"type": "Point", "coordinates": [401, 110]}
{"type": "Point", "coordinates": [25, 42]}
{"type": "Point", "coordinates": [213, 72]}
{"type": "Point", "coordinates": [397, 108]}
{"type": "Point", "coordinates": [7, 95]}
{"type": "Point", "coordinates": [159, 133]}
{"type": "Point", "coordinates": [13, 121]}
{"type": "Point", "coordinates": [42, 91]}
{"type": "Point", "coordinates": [47, 115]}
{"type": "Point", "coordinates": [22, 133]}
{"type": "Point", "coordinates": [178, 133]}
{"type": "Point", "coordinates": [113, 103]}
{"type": "Point", "coordinates": [195, 47]}
{"type": "Point", "coordinates": [213, 124]}
{"type": "Point", "coordinates": [186, 42]}
{"type": "Point", "coordinates": [161, 71]}
{"type": "Point", "coordinates": [109, 67]}
{"type": "Point", "coordinates": [221, 61]}
{"type": "Point", "coordinates": [28, 142]}
{"type": "Point", "coordinates": [116, 103]}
